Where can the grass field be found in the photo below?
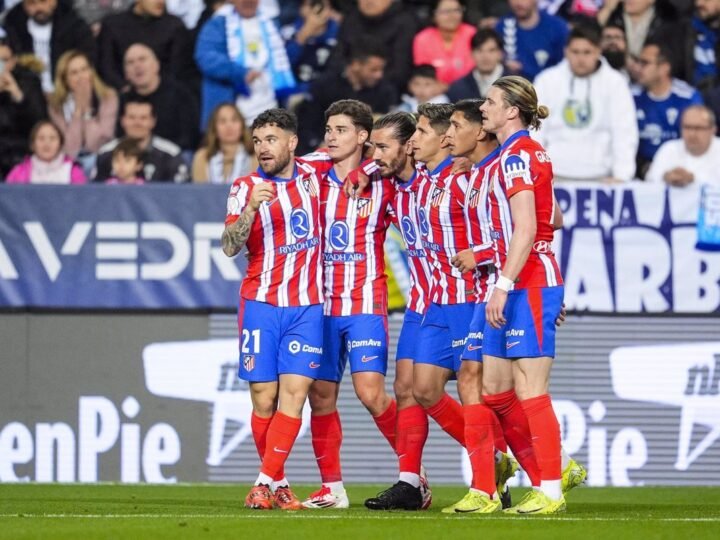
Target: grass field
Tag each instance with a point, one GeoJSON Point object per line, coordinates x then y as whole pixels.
{"type": "Point", "coordinates": [82, 512]}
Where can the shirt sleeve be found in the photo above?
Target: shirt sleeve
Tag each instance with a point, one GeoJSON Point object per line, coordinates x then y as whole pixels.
{"type": "Point", "coordinates": [517, 171]}
{"type": "Point", "coordinates": [238, 199]}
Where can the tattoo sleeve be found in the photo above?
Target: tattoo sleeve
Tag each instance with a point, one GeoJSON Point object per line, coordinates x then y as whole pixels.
{"type": "Point", "coordinates": [234, 236]}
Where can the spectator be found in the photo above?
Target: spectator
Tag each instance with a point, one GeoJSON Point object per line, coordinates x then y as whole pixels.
{"type": "Point", "coordinates": [487, 53]}
{"type": "Point", "coordinates": [641, 19]}
{"type": "Point", "coordinates": [310, 41]}
{"type": "Point", "coordinates": [423, 87]}
{"type": "Point", "coordinates": [227, 152]}
{"type": "Point", "coordinates": [92, 11]}
{"type": "Point", "coordinates": [82, 107]}
{"type": "Point", "coordinates": [22, 105]}
{"type": "Point", "coordinates": [48, 164]}
{"type": "Point", "coordinates": [614, 48]}
{"type": "Point", "coordinates": [446, 45]}
{"type": "Point", "coordinates": [695, 157]}
{"type": "Point", "coordinates": [188, 11]}
{"type": "Point", "coordinates": [660, 101]}
{"type": "Point", "coordinates": [145, 22]}
{"type": "Point", "coordinates": [386, 23]}
{"type": "Point", "coordinates": [243, 60]}
{"type": "Point", "coordinates": [592, 132]}
{"type": "Point", "coordinates": [571, 10]}
{"type": "Point", "coordinates": [363, 79]}
{"type": "Point", "coordinates": [142, 71]}
{"type": "Point", "coordinates": [163, 162]}
{"type": "Point", "coordinates": [43, 28]}
{"type": "Point", "coordinates": [533, 39]}
{"type": "Point", "coordinates": [487, 13]}
{"type": "Point", "coordinates": [695, 45]}
{"type": "Point", "coordinates": [128, 160]}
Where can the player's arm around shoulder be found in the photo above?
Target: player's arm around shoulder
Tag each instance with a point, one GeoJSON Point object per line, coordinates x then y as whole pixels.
{"type": "Point", "coordinates": [243, 204]}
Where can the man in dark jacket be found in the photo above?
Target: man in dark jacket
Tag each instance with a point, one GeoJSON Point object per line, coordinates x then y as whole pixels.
{"type": "Point", "coordinates": [487, 52]}
{"type": "Point", "coordinates": [387, 23]}
{"type": "Point", "coordinates": [145, 22]}
{"type": "Point", "coordinates": [47, 30]}
{"type": "Point", "coordinates": [176, 108]}
{"type": "Point", "coordinates": [363, 79]}
{"type": "Point", "coordinates": [22, 104]}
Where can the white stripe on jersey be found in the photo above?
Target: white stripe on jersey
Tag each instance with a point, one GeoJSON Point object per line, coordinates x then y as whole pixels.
{"type": "Point", "coordinates": [291, 258]}
{"type": "Point", "coordinates": [549, 270]}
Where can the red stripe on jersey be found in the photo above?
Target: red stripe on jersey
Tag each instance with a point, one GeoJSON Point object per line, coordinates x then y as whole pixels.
{"type": "Point", "coordinates": [353, 248]}
{"type": "Point", "coordinates": [477, 219]}
{"type": "Point", "coordinates": [442, 223]}
{"type": "Point", "coordinates": [524, 165]}
{"type": "Point", "coordinates": [407, 221]}
{"type": "Point", "coordinates": [284, 263]}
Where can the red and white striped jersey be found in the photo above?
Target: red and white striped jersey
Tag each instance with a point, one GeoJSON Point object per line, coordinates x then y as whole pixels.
{"type": "Point", "coordinates": [524, 165]}
{"type": "Point", "coordinates": [442, 225]}
{"type": "Point", "coordinates": [284, 263]}
{"type": "Point", "coordinates": [477, 222]}
{"type": "Point", "coordinates": [407, 221]}
{"type": "Point", "coordinates": [353, 248]}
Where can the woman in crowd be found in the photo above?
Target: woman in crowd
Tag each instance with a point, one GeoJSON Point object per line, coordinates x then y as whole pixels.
{"type": "Point", "coordinates": [446, 45]}
{"type": "Point", "coordinates": [227, 152]}
{"type": "Point", "coordinates": [83, 107]}
{"type": "Point", "coordinates": [48, 164]}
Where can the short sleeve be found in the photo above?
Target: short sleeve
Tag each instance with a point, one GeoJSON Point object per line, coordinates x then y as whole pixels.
{"type": "Point", "coordinates": [517, 170]}
{"type": "Point", "coordinates": [237, 199]}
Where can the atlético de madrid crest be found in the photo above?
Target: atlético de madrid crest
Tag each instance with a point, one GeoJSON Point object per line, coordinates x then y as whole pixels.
{"type": "Point", "coordinates": [437, 196]}
{"type": "Point", "coordinates": [364, 207]}
{"type": "Point", "coordinates": [309, 187]}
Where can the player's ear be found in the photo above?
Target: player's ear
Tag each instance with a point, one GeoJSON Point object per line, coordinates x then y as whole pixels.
{"type": "Point", "coordinates": [292, 142]}
{"type": "Point", "coordinates": [408, 148]}
{"type": "Point", "coordinates": [362, 136]}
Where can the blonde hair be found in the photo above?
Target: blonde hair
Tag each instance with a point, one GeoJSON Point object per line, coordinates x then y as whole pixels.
{"type": "Point", "coordinates": [212, 141]}
{"type": "Point", "coordinates": [62, 90]}
{"type": "Point", "coordinates": [519, 92]}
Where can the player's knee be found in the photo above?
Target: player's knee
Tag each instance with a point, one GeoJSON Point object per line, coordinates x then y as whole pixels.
{"type": "Point", "coordinates": [322, 400]}
{"type": "Point", "coordinates": [426, 393]}
{"type": "Point", "coordinates": [372, 397]}
{"type": "Point", "coordinates": [403, 390]}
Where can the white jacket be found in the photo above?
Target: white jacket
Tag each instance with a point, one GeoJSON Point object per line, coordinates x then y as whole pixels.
{"type": "Point", "coordinates": [592, 128]}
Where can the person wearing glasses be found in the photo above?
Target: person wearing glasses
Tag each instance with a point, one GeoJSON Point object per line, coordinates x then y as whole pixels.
{"type": "Point", "coordinates": [693, 158]}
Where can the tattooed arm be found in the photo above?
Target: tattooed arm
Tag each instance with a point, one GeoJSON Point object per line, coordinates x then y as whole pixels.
{"type": "Point", "coordinates": [236, 234]}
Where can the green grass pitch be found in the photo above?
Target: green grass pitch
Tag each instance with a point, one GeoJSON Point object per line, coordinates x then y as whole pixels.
{"type": "Point", "coordinates": [83, 512]}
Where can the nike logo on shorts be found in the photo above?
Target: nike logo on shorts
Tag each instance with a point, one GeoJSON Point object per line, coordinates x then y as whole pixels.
{"type": "Point", "coordinates": [511, 345]}
{"type": "Point", "coordinates": [474, 347]}
{"type": "Point", "coordinates": [367, 358]}
{"type": "Point", "coordinates": [313, 365]}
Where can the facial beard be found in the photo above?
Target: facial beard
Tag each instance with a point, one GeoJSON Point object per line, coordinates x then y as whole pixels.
{"type": "Point", "coordinates": [42, 18]}
{"type": "Point", "coordinates": [280, 163]}
{"type": "Point", "coordinates": [616, 59]}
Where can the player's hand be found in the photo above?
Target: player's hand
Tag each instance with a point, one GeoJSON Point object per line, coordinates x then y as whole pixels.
{"type": "Point", "coordinates": [261, 193]}
{"type": "Point", "coordinates": [461, 165]}
{"type": "Point", "coordinates": [561, 316]}
{"type": "Point", "coordinates": [355, 183]}
{"type": "Point", "coordinates": [495, 307]}
{"type": "Point", "coordinates": [464, 260]}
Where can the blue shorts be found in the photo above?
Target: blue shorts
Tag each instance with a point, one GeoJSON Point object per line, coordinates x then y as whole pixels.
{"type": "Point", "coordinates": [474, 343]}
{"type": "Point", "coordinates": [442, 335]}
{"type": "Point", "coordinates": [279, 340]}
{"type": "Point", "coordinates": [361, 338]}
{"type": "Point", "coordinates": [407, 346]}
{"type": "Point", "coordinates": [530, 328]}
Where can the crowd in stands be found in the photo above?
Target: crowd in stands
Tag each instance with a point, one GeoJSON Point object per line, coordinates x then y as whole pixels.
{"type": "Point", "coordinates": [126, 91]}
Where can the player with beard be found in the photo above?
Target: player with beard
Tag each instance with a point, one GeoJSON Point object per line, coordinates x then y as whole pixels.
{"type": "Point", "coordinates": [440, 196]}
{"type": "Point", "coordinates": [275, 213]}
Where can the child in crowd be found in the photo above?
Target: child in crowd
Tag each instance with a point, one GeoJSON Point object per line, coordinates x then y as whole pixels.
{"type": "Point", "coordinates": [128, 160]}
{"type": "Point", "coordinates": [423, 87]}
{"type": "Point", "coordinates": [48, 164]}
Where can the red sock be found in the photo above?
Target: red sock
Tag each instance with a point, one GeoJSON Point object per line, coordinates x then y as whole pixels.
{"type": "Point", "coordinates": [498, 436]}
{"type": "Point", "coordinates": [515, 427]}
{"type": "Point", "coordinates": [479, 440]}
{"type": "Point", "coordinates": [412, 432]}
{"type": "Point", "coordinates": [546, 435]}
{"type": "Point", "coordinates": [326, 440]}
{"type": "Point", "coordinates": [281, 435]}
{"type": "Point", "coordinates": [386, 423]}
{"type": "Point", "coordinates": [259, 428]}
{"type": "Point", "coordinates": [448, 413]}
